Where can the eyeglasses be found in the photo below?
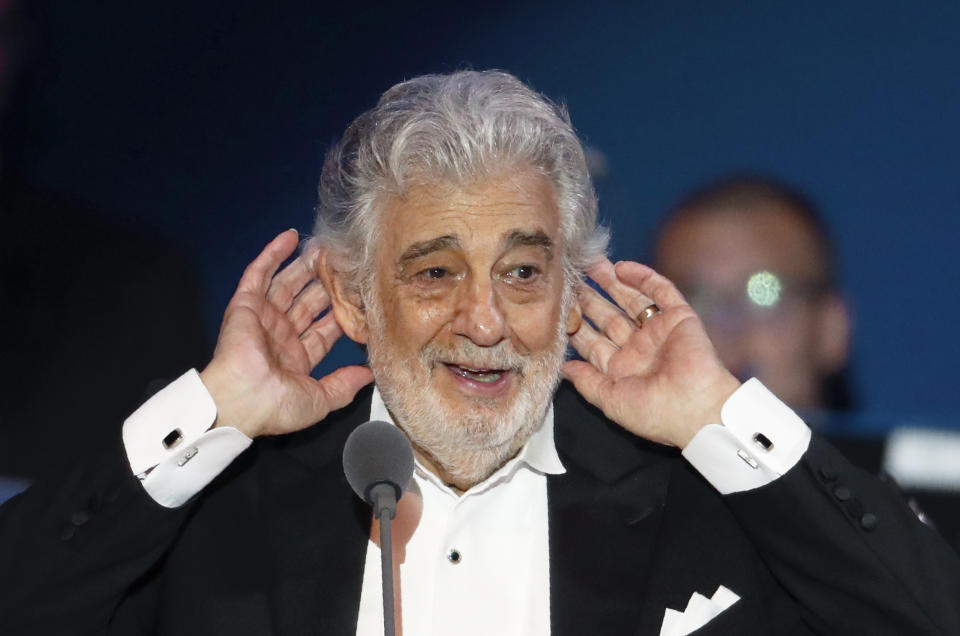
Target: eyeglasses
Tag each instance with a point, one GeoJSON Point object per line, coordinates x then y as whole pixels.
{"type": "Point", "coordinates": [764, 296]}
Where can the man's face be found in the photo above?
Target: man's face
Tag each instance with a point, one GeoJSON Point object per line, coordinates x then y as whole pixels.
{"type": "Point", "coordinates": [466, 319]}
{"type": "Point", "coordinates": [756, 281]}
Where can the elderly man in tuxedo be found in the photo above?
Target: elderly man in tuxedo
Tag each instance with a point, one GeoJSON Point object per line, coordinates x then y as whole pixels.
{"type": "Point", "coordinates": [455, 226]}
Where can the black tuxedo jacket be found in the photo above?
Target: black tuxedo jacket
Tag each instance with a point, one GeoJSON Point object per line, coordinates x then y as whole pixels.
{"type": "Point", "coordinates": [276, 545]}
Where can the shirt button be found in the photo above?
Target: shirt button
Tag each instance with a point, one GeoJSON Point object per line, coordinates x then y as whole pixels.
{"type": "Point", "coordinates": [454, 556]}
{"type": "Point", "coordinates": [842, 493]}
{"type": "Point", "coordinates": [868, 521]}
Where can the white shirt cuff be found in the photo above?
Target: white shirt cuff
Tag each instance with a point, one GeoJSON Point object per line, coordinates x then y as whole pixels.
{"type": "Point", "coordinates": [760, 439]}
{"type": "Point", "coordinates": [170, 434]}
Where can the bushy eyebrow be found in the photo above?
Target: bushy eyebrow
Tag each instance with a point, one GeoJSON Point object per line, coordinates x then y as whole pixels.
{"type": "Point", "coordinates": [423, 248]}
{"type": "Point", "coordinates": [518, 238]}
{"type": "Point", "coordinates": [515, 238]}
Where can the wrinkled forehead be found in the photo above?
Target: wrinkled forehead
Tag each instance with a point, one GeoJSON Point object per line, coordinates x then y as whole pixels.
{"type": "Point", "coordinates": [480, 212]}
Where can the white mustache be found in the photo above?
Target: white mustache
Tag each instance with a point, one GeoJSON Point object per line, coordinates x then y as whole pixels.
{"type": "Point", "coordinates": [465, 353]}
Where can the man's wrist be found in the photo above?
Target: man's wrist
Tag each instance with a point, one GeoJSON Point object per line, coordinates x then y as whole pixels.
{"type": "Point", "coordinates": [170, 446]}
{"type": "Point", "coordinates": [759, 440]}
{"type": "Point", "coordinates": [724, 390]}
{"type": "Point", "coordinates": [181, 411]}
{"type": "Point", "coordinates": [223, 392]}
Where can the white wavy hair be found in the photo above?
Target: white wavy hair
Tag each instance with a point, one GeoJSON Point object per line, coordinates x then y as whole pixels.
{"type": "Point", "coordinates": [458, 129]}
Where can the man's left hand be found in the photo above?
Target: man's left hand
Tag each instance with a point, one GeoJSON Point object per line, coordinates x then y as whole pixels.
{"type": "Point", "coordinates": [663, 380]}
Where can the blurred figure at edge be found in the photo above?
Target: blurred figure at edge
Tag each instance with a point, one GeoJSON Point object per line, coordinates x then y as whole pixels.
{"type": "Point", "coordinates": [753, 258]}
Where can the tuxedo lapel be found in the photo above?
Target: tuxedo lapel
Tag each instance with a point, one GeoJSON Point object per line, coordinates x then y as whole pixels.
{"type": "Point", "coordinates": [605, 517]}
{"type": "Point", "coordinates": [316, 528]}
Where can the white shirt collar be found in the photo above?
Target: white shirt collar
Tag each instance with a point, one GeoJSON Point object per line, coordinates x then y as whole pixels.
{"type": "Point", "coordinates": [539, 454]}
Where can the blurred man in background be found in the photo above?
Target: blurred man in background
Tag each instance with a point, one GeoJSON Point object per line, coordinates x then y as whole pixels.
{"type": "Point", "coordinates": [754, 260]}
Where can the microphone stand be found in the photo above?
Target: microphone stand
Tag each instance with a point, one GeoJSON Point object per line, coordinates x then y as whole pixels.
{"type": "Point", "coordinates": [378, 463]}
{"type": "Point", "coordinates": [384, 498]}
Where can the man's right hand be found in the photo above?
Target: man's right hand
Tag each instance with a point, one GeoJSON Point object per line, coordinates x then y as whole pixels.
{"type": "Point", "coordinates": [270, 340]}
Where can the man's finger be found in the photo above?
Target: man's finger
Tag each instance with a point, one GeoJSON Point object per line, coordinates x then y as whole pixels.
{"type": "Point", "coordinates": [320, 337]}
{"type": "Point", "coordinates": [650, 283]}
{"type": "Point", "coordinates": [256, 277]}
{"type": "Point", "coordinates": [308, 305]}
{"type": "Point", "coordinates": [285, 286]}
{"type": "Point", "coordinates": [589, 382]}
{"type": "Point", "coordinates": [593, 346]}
{"type": "Point", "coordinates": [340, 387]}
{"type": "Point", "coordinates": [630, 298]}
{"type": "Point", "coordinates": [611, 320]}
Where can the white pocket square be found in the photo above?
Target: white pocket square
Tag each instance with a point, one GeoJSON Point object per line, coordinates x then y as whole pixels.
{"type": "Point", "coordinates": [700, 610]}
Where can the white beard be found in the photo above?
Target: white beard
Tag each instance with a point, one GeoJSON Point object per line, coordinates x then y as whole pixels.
{"type": "Point", "coordinates": [469, 440]}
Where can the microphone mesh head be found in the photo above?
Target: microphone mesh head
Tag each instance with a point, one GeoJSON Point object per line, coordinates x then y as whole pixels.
{"type": "Point", "coordinates": [375, 453]}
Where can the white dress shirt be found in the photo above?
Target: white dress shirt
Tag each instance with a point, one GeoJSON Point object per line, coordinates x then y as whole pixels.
{"type": "Point", "coordinates": [490, 543]}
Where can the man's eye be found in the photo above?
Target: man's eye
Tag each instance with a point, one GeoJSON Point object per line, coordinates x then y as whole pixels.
{"type": "Point", "coordinates": [434, 273]}
{"type": "Point", "coordinates": [523, 272]}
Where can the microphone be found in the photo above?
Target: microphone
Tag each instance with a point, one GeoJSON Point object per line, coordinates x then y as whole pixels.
{"type": "Point", "coordinates": [378, 464]}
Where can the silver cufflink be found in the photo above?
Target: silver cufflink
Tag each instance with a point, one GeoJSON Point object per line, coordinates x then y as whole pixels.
{"type": "Point", "coordinates": [751, 462]}
{"type": "Point", "coordinates": [190, 454]}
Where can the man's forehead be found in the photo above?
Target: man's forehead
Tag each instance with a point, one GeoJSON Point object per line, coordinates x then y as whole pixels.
{"type": "Point", "coordinates": [730, 245]}
{"type": "Point", "coordinates": [519, 210]}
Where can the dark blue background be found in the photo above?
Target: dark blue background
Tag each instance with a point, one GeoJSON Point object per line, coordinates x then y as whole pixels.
{"type": "Point", "coordinates": [206, 123]}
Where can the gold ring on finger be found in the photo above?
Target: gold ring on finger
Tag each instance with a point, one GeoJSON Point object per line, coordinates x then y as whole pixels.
{"type": "Point", "coordinates": [647, 313]}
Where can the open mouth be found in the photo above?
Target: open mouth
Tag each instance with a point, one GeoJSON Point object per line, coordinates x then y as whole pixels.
{"type": "Point", "coordinates": [487, 376]}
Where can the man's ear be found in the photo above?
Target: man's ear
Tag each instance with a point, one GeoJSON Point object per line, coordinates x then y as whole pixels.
{"type": "Point", "coordinates": [347, 306]}
{"type": "Point", "coordinates": [834, 327]}
{"type": "Point", "coordinates": [574, 318]}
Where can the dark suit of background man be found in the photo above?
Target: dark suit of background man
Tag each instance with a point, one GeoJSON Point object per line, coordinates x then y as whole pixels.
{"type": "Point", "coordinates": [455, 223]}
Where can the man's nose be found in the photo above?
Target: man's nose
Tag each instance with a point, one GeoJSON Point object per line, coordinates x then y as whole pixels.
{"type": "Point", "coordinates": [479, 316]}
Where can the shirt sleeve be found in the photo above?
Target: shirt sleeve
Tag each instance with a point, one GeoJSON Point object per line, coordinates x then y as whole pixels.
{"type": "Point", "coordinates": [760, 439]}
{"type": "Point", "coordinates": [170, 445]}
